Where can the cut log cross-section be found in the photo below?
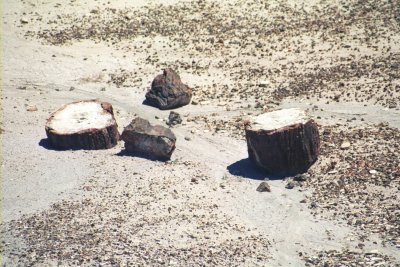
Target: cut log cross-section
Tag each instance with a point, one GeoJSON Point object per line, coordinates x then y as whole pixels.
{"type": "Point", "coordinates": [86, 124]}
{"type": "Point", "coordinates": [283, 142]}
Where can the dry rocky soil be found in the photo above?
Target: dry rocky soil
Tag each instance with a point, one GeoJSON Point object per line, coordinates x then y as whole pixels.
{"type": "Point", "coordinates": [340, 60]}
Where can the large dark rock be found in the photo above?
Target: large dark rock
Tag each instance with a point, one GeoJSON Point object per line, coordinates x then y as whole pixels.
{"type": "Point", "coordinates": [168, 92]}
{"type": "Point", "coordinates": [153, 141]}
{"type": "Point", "coordinates": [284, 142]}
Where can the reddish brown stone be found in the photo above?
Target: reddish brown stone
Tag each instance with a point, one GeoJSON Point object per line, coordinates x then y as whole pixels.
{"type": "Point", "coordinates": [288, 150]}
{"type": "Point", "coordinates": [153, 141]}
{"type": "Point", "coordinates": [168, 92]}
{"type": "Point", "coordinates": [101, 137]}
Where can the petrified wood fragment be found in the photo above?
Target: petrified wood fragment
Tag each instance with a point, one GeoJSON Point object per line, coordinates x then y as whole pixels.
{"type": "Point", "coordinates": [168, 92]}
{"type": "Point", "coordinates": [154, 141]}
{"type": "Point", "coordinates": [283, 142]}
{"type": "Point", "coordinates": [86, 124]}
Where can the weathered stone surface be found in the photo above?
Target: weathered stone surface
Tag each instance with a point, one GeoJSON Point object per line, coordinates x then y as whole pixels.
{"type": "Point", "coordinates": [153, 141]}
{"type": "Point", "coordinates": [86, 124]}
{"type": "Point", "coordinates": [284, 142]}
{"type": "Point", "coordinates": [168, 92]}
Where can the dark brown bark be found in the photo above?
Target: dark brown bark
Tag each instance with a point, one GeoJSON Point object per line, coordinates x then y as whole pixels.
{"type": "Point", "coordinates": [286, 151]}
{"type": "Point", "coordinates": [89, 139]}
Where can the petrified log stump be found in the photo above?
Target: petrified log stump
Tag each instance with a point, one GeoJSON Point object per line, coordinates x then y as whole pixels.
{"type": "Point", "coordinates": [168, 92]}
{"type": "Point", "coordinates": [86, 124]}
{"type": "Point", "coordinates": [153, 141]}
{"type": "Point", "coordinates": [283, 142]}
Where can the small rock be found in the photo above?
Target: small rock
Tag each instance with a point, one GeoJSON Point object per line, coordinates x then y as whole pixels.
{"type": "Point", "coordinates": [336, 97]}
{"type": "Point", "coordinates": [34, 108]}
{"type": "Point", "coordinates": [373, 172]}
{"type": "Point", "coordinates": [263, 84]}
{"type": "Point", "coordinates": [345, 145]}
{"type": "Point", "coordinates": [187, 138]}
{"type": "Point", "coordinates": [377, 259]}
{"type": "Point", "coordinates": [313, 205]}
{"type": "Point", "coordinates": [290, 185]}
{"type": "Point", "coordinates": [263, 187]}
{"type": "Point", "coordinates": [300, 178]}
{"type": "Point", "coordinates": [174, 118]}
{"type": "Point", "coordinates": [24, 20]}
{"type": "Point", "coordinates": [372, 252]}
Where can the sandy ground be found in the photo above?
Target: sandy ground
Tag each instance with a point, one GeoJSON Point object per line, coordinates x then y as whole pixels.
{"type": "Point", "coordinates": [66, 208]}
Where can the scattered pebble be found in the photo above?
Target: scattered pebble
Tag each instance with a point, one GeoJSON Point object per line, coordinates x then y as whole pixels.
{"type": "Point", "coordinates": [263, 187]}
{"type": "Point", "coordinates": [373, 172]}
{"type": "Point", "coordinates": [345, 145]}
{"type": "Point", "coordinates": [174, 118]}
{"type": "Point", "coordinates": [24, 20]}
{"type": "Point", "coordinates": [290, 185]}
{"type": "Point", "coordinates": [370, 166]}
{"type": "Point", "coordinates": [347, 258]}
{"type": "Point", "coordinates": [31, 109]}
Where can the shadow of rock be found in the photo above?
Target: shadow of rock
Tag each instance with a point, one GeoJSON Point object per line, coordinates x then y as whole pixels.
{"type": "Point", "coordinates": [46, 144]}
{"type": "Point", "coordinates": [147, 103]}
{"type": "Point", "coordinates": [126, 153]}
{"type": "Point", "coordinates": [247, 169]}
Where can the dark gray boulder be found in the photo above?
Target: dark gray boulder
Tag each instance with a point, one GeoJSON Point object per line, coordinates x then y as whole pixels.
{"type": "Point", "coordinates": [168, 92]}
{"type": "Point", "coordinates": [155, 142]}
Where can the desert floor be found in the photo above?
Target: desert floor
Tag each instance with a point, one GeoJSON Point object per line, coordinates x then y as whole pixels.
{"type": "Point", "coordinates": [340, 60]}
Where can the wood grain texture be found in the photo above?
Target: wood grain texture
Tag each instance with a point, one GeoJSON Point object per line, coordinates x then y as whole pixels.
{"type": "Point", "coordinates": [286, 151]}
